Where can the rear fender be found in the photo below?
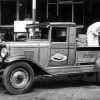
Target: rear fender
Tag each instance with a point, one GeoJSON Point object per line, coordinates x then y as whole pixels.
{"type": "Point", "coordinates": [97, 65]}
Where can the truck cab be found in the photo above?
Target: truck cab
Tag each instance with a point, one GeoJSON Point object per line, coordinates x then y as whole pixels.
{"type": "Point", "coordinates": [60, 46]}
{"type": "Point", "coordinates": [49, 49]}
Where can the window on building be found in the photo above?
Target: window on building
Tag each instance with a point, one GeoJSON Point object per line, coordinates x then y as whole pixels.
{"type": "Point", "coordinates": [66, 10]}
{"type": "Point", "coordinates": [79, 13]}
{"type": "Point", "coordinates": [8, 12]}
{"type": "Point", "coordinates": [12, 10]}
{"type": "Point", "coordinates": [52, 1]}
{"type": "Point", "coordinates": [25, 9]}
{"type": "Point", "coordinates": [52, 9]}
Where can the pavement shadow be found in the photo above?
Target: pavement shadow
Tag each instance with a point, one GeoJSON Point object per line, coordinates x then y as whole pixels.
{"type": "Point", "coordinates": [61, 82]}
{"type": "Point", "coordinates": [56, 82]}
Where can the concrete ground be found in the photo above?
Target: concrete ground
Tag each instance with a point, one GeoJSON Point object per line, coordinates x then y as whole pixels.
{"type": "Point", "coordinates": [58, 88]}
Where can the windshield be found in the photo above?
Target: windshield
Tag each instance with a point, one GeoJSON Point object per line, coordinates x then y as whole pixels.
{"type": "Point", "coordinates": [40, 33]}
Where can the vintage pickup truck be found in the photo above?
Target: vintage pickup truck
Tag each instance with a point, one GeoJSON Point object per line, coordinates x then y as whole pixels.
{"type": "Point", "coordinates": [52, 50]}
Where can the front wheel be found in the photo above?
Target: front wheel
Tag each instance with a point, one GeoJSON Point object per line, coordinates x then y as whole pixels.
{"type": "Point", "coordinates": [18, 78]}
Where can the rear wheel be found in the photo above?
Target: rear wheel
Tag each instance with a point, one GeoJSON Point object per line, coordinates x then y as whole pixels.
{"type": "Point", "coordinates": [18, 78]}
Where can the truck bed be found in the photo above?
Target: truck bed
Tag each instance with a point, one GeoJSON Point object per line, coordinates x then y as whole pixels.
{"type": "Point", "coordinates": [87, 54]}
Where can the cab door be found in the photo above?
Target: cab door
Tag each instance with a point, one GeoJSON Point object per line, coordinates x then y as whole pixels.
{"type": "Point", "coordinates": [59, 46]}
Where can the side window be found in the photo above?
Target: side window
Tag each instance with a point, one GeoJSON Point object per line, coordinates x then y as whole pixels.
{"type": "Point", "coordinates": [59, 34]}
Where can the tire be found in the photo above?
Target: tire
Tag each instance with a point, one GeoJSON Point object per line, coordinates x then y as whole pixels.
{"type": "Point", "coordinates": [18, 78]}
{"type": "Point", "coordinates": [76, 77]}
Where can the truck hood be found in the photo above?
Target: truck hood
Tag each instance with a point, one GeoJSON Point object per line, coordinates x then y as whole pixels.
{"type": "Point", "coordinates": [29, 44]}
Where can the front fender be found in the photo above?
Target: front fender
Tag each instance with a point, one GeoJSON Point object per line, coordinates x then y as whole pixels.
{"type": "Point", "coordinates": [17, 58]}
{"type": "Point", "coordinates": [12, 59]}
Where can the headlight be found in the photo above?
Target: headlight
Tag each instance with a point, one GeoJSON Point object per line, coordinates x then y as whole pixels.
{"type": "Point", "coordinates": [4, 52]}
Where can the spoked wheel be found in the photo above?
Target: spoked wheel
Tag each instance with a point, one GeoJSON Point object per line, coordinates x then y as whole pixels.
{"type": "Point", "coordinates": [18, 78]}
{"type": "Point", "coordinates": [76, 77]}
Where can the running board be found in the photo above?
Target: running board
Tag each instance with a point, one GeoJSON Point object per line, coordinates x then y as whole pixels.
{"type": "Point", "coordinates": [69, 69]}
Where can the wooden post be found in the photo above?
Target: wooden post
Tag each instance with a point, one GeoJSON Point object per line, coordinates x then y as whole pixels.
{"type": "Point", "coordinates": [26, 8]}
{"type": "Point", "coordinates": [47, 9]}
{"type": "Point", "coordinates": [34, 10]}
{"type": "Point", "coordinates": [33, 15]}
{"type": "Point", "coordinates": [17, 10]}
{"type": "Point", "coordinates": [57, 7]}
{"type": "Point", "coordinates": [0, 12]}
{"type": "Point", "coordinates": [72, 10]}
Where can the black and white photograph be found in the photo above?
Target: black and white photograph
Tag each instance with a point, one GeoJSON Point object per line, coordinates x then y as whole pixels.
{"type": "Point", "coordinates": [49, 49]}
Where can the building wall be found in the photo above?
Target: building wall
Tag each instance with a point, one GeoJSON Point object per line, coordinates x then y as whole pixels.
{"type": "Point", "coordinates": [60, 10]}
{"type": "Point", "coordinates": [91, 12]}
{"type": "Point", "coordinates": [8, 12]}
{"type": "Point", "coordinates": [12, 10]}
{"type": "Point", "coordinates": [82, 12]}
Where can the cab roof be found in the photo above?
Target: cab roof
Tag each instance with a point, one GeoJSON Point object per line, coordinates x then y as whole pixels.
{"type": "Point", "coordinates": [47, 24]}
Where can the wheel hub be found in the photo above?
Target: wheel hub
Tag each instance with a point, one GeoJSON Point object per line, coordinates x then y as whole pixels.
{"type": "Point", "coordinates": [19, 78]}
